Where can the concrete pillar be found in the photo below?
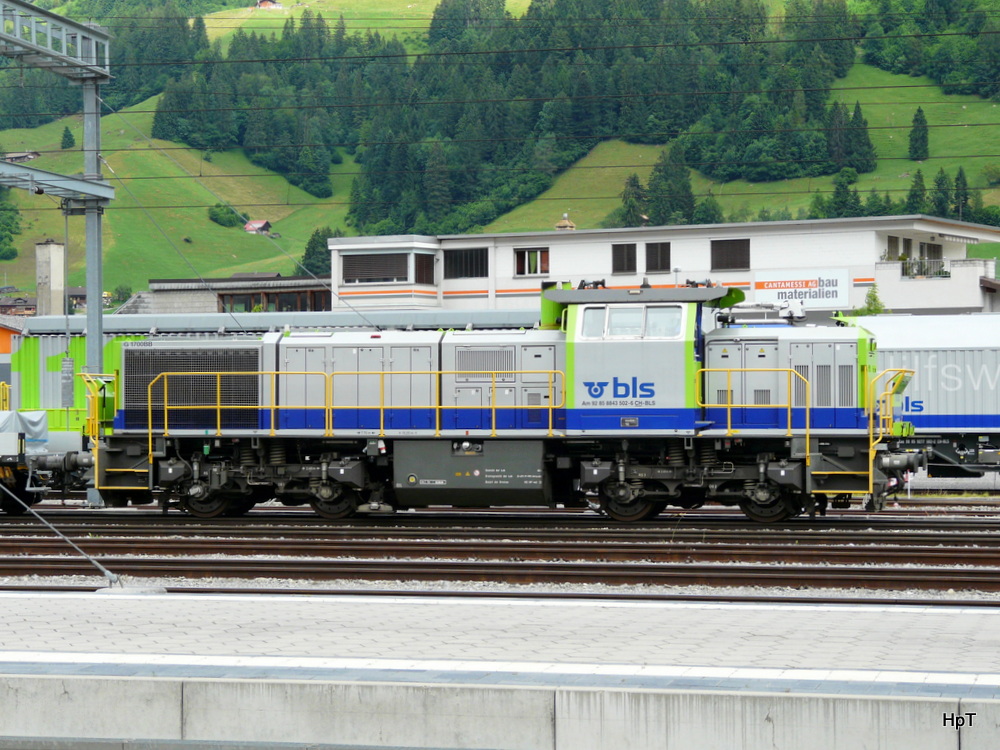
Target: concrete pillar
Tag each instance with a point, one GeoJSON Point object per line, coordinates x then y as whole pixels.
{"type": "Point", "coordinates": [50, 277]}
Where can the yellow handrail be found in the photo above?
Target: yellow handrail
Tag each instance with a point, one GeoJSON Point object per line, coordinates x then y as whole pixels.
{"type": "Point", "coordinates": [729, 405]}
{"type": "Point", "coordinates": [96, 384]}
{"type": "Point", "coordinates": [878, 410]}
{"type": "Point", "coordinates": [554, 379]}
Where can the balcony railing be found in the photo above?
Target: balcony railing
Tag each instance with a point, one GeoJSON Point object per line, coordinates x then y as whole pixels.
{"type": "Point", "coordinates": [920, 268]}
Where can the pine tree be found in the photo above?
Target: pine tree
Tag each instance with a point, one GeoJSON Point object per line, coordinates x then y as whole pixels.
{"type": "Point", "coordinates": [919, 141]}
{"type": "Point", "coordinates": [708, 211]}
{"type": "Point", "coordinates": [437, 183]}
{"type": "Point", "coordinates": [942, 195]}
{"type": "Point", "coordinates": [860, 150]}
{"type": "Point", "coordinates": [671, 199]}
{"type": "Point", "coordinates": [873, 303]}
{"type": "Point", "coordinates": [960, 196]}
{"type": "Point", "coordinates": [916, 198]}
{"type": "Point", "coordinates": [836, 134]}
{"type": "Point", "coordinates": [68, 141]}
{"type": "Point", "coordinates": [316, 258]}
{"type": "Point", "coordinates": [633, 202]}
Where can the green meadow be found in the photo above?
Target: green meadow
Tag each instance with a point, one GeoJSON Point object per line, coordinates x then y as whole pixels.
{"type": "Point", "coordinates": [962, 130]}
{"type": "Point", "coordinates": [158, 225]}
{"type": "Point", "coordinates": [408, 21]}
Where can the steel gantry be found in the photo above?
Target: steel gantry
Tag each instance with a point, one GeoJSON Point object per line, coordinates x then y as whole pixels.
{"type": "Point", "coordinates": [80, 53]}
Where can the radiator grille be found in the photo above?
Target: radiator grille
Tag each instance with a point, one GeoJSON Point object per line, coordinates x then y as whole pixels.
{"type": "Point", "coordinates": [799, 386]}
{"type": "Point", "coordinates": [473, 361]}
{"type": "Point", "coordinates": [824, 385]}
{"type": "Point", "coordinates": [847, 385]}
{"type": "Point", "coordinates": [141, 366]}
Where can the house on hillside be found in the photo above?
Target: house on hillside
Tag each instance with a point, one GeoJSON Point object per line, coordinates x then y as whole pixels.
{"type": "Point", "coordinates": [258, 226]}
{"type": "Point", "coordinates": [268, 5]}
{"type": "Point", "coordinates": [18, 305]}
{"type": "Point", "coordinates": [19, 157]}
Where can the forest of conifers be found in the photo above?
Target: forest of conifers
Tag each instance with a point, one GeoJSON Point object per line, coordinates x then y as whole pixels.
{"type": "Point", "coordinates": [495, 107]}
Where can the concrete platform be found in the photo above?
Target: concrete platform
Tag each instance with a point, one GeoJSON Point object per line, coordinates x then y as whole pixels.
{"type": "Point", "coordinates": [164, 671]}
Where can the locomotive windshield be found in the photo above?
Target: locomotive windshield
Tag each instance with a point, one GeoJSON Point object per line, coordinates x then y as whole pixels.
{"type": "Point", "coordinates": [631, 321]}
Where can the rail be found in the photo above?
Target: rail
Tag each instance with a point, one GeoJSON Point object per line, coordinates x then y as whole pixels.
{"type": "Point", "coordinates": [554, 379]}
{"type": "Point", "coordinates": [4, 396]}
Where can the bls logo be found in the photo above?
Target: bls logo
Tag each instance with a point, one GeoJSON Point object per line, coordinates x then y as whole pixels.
{"type": "Point", "coordinates": [621, 388]}
{"type": "Point", "coordinates": [912, 406]}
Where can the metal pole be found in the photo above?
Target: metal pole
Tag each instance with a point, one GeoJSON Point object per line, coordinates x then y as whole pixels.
{"type": "Point", "coordinates": [95, 270]}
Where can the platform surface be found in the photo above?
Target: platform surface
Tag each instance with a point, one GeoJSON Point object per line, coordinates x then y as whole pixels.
{"type": "Point", "coordinates": [905, 650]}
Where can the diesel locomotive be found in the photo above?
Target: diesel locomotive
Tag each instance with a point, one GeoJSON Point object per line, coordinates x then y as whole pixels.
{"type": "Point", "coordinates": [616, 399]}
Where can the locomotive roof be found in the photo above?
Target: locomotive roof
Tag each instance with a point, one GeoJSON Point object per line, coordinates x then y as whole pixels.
{"type": "Point", "coordinates": [722, 295]}
{"type": "Point", "coordinates": [429, 319]}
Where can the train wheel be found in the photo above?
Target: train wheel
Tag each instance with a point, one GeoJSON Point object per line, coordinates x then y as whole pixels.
{"type": "Point", "coordinates": [621, 502]}
{"type": "Point", "coordinates": [212, 505]}
{"type": "Point", "coordinates": [341, 505]}
{"type": "Point", "coordinates": [768, 504]}
{"type": "Point", "coordinates": [769, 513]}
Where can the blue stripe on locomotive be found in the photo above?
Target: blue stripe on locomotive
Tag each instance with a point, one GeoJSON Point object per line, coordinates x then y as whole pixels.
{"type": "Point", "coordinates": [819, 418]}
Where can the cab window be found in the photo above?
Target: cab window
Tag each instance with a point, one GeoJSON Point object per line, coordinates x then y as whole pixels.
{"type": "Point", "coordinates": [625, 321]}
{"type": "Point", "coordinates": [593, 323]}
{"type": "Point", "coordinates": [663, 322]}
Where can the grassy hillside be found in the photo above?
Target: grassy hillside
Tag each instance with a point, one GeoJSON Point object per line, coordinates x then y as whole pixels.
{"type": "Point", "coordinates": [590, 189]}
{"type": "Point", "coordinates": [408, 21]}
{"type": "Point", "coordinates": [158, 224]}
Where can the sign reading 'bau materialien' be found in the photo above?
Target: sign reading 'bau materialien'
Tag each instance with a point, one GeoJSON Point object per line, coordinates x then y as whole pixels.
{"type": "Point", "coordinates": [815, 287]}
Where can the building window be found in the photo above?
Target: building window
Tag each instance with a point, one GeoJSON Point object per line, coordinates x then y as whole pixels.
{"type": "Point", "coordinates": [470, 263]}
{"type": "Point", "coordinates": [423, 268]}
{"type": "Point", "coordinates": [375, 268]}
{"type": "Point", "coordinates": [531, 261]}
{"type": "Point", "coordinates": [730, 255]}
{"type": "Point", "coordinates": [623, 258]}
{"type": "Point", "coordinates": [657, 256]}
{"type": "Point", "coordinates": [321, 301]}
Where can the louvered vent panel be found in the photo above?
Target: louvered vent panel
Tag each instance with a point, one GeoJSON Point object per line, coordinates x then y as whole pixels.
{"type": "Point", "coordinates": [761, 396]}
{"type": "Point", "coordinates": [141, 366]}
{"type": "Point", "coordinates": [847, 385]}
{"type": "Point", "coordinates": [823, 387]}
{"type": "Point", "coordinates": [799, 385]}
{"type": "Point", "coordinates": [475, 365]}
{"type": "Point", "coordinates": [723, 397]}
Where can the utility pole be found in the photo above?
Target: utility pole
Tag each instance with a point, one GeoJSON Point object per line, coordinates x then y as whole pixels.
{"type": "Point", "coordinates": [80, 53]}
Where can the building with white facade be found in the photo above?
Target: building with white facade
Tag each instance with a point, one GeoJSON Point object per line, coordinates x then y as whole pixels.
{"type": "Point", "coordinates": [920, 264]}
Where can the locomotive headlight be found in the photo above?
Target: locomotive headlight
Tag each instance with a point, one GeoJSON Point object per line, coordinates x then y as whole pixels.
{"type": "Point", "coordinates": [466, 445]}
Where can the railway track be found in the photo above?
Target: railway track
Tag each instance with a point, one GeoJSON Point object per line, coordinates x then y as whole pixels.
{"type": "Point", "coordinates": [898, 560]}
{"type": "Point", "coordinates": [847, 550]}
{"type": "Point", "coordinates": [814, 576]}
{"type": "Point", "coordinates": [964, 550]}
